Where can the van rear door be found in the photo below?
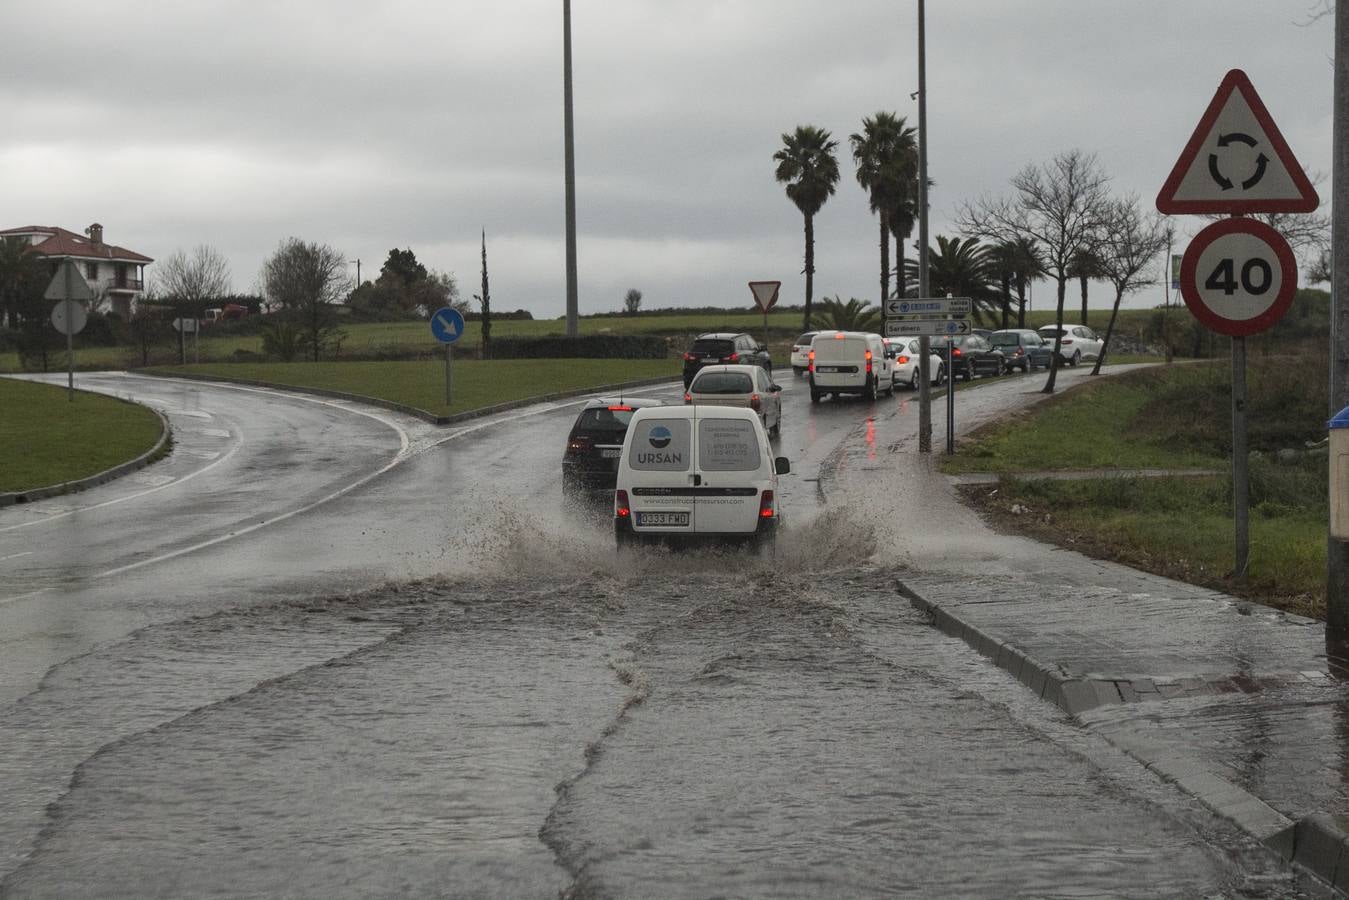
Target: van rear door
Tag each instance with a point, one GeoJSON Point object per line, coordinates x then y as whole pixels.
{"type": "Point", "coordinates": [730, 469]}
{"type": "Point", "coordinates": [660, 455]}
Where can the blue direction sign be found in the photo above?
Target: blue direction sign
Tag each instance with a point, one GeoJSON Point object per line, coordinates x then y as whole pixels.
{"type": "Point", "coordinates": [447, 325]}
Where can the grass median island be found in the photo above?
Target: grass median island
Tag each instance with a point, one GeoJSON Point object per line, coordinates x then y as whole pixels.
{"type": "Point", "coordinates": [421, 383]}
{"type": "Point", "coordinates": [45, 439]}
{"type": "Point", "coordinates": [1174, 417]}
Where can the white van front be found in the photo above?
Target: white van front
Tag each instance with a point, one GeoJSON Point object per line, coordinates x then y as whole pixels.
{"type": "Point", "coordinates": [696, 472]}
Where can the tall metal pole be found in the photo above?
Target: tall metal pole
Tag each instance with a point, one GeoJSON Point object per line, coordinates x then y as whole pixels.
{"type": "Point", "coordinates": [70, 334]}
{"type": "Point", "coordinates": [924, 343]}
{"type": "Point", "coordinates": [1337, 555]}
{"type": "Point", "coordinates": [1240, 459]}
{"type": "Point", "coordinates": [570, 154]}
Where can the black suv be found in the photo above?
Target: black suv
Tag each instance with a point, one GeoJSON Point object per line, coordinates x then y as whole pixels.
{"type": "Point", "coordinates": [590, 462]}
{"type": "Point", "coordinates": [720, 348]}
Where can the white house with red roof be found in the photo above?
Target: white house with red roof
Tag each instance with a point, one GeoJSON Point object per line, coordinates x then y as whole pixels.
{"type": "Point", "coordinates": [111, 271]}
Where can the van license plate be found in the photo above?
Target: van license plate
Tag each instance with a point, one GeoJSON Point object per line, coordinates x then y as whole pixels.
{"type": "Point", "coordinates": [611, 453]}
{"type": "Point", "coordinates": [663, 518]}
{"type": "Point", "coordinates": [826, 369]}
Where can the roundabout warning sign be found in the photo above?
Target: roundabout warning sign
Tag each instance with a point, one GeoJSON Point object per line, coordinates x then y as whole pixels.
{"type": "Point", "coordinates": [1238, 277]}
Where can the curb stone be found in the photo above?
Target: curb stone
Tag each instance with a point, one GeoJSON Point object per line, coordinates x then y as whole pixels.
{"type": "Point", "coordinates": [81, 484]}
{"type": "Point", "coordinates": [1316, 842]}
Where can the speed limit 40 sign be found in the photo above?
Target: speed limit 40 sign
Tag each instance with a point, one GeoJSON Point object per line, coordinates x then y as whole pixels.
{"type": "Point", "coordinates": [1238, 277]}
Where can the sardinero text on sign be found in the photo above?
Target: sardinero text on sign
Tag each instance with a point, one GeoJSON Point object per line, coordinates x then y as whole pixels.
{"type": "Point", "coordinates": [929, 327]}
{"type": "Point", "coordinates": [946, 306]}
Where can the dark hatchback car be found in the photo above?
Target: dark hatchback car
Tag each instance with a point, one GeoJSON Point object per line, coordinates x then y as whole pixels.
{"type": "Point", "coordinates": [971, 355]}
{"type": "Point", "coordinates": [1024, 348]}
{"type": "Point", "coordinates": [590, 462]}
{"type": "Point", "coordinates": [724, 348]}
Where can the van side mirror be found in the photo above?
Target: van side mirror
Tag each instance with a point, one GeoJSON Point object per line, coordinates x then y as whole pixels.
{"type": "Point", "coordinates": [782, 466]}
{"type": "Point", "coordinates": [775, 388]}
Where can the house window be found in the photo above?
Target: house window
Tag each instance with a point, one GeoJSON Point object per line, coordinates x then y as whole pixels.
{"type": "Point", "coordinates": [91, 271]}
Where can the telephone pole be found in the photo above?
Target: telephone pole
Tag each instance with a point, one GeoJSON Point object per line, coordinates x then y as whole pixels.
{"type": "Point", "coordinates": [570, 177]}
{"type": "Point", "coordinates": [1337, 551]}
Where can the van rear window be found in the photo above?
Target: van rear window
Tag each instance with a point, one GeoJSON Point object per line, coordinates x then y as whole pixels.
{"type": "Point", "coordinates": [728, 445]}
{"type": "Point", "coordinates": [660, 445]}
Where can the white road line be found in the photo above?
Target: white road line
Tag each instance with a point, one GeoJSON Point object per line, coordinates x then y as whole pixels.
{"type": "Point", "coordinates": [16, 555]}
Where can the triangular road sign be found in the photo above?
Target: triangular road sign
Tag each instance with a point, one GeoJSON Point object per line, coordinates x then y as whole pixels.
{"type": "Point", "coordinates": [68, 284]}
{"type": "Point", "coordinates": [1237, 161]}
{"type": "Point", "coordinates": [765, 293]}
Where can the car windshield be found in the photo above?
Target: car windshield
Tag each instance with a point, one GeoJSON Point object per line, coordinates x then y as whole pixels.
{"type": "Point", "coordinates": [722, 383]}
{"type": "Point", "coordinates": [713, 348]}
{"type": "Point", "coordinates": [610, 422]}
{"type": "Point", "coordinates": [1006, 340]}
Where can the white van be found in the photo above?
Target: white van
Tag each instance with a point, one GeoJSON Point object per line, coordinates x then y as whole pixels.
{"type": "Point", "coordinates": [849, 362]}
{"type": "Point", "coordinates": [697, 472]}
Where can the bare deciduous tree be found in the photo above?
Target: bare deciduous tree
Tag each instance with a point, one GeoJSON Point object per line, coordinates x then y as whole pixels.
{"type": "Point", "coordinates": [191, 281]}
{"type": "Point", "coordinates": [307, 281]}
{"type": "Point", "coordinates": [1130, 242]}
{"type": "Point", "coordinates": [1062, 206]}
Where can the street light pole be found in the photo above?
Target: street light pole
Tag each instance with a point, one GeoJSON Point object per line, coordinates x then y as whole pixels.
{"type": "Point", "coordinates": [924, 343]}
{"type": "Point", "coordinates": [1337, 551]}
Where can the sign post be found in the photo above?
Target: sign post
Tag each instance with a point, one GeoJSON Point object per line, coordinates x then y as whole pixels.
{"type": "Point", "coordinates": [69, 289]}
{"type": "Point", "coordinates": [765, 295]}
{"type": "Point", "coordinates": [938, 317]}
{"type": "Point", "coordinates": [447, 325]}
{"type": "Point", "coordinates": [1238, 276]}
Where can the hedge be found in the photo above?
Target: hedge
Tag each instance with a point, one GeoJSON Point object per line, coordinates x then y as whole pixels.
{"type": "Point", "coordinates": [590, 346]}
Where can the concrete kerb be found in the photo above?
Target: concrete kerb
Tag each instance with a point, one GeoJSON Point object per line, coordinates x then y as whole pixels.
{"type": "Point", "coordinates": [414, 411]}
{"type": "Point", "coordinates": [81, 484]}
{"type": "Point", "coordinates": [1316, 843]}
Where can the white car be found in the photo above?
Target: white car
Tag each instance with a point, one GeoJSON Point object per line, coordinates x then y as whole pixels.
{"type": "Point", "coordinates": [697, 472]}
{"type": "Point", "coordinates": [1078, 343]}
{"type": "Point", "coordinates": [801, 352]}
{"type": "Point", "coordinates": [905, 355]}
{"type": "Point", "coordinates": [748, 386]}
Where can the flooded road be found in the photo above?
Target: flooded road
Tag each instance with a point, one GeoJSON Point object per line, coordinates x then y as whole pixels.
{"type": "Point", "coordinates": [414, 691]}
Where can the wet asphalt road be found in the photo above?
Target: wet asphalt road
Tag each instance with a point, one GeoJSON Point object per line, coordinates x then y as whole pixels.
{"type": "Point", "coordinates": [329, 651]}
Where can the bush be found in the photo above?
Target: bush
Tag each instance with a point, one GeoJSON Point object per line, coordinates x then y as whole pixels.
{"type": "Point", "coordinates": [590, 346]}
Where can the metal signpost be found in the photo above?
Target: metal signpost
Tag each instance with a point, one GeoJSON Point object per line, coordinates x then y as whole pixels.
{"type": "Point", "coordinates": [933, 317]}
{"type": "Point", "coordinates": [69, 289]}
{"type": "Point", "coordinates": [447, 325]}
{"type": "Point", "coordinates": [1238, 276]}
{"type": "Point", "coordinates": [186, 327]}
{"type": "Point", "coordinates": [765, 295]}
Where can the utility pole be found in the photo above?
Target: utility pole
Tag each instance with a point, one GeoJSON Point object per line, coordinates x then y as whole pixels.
{"type": "Point", "coordinates": [569, 153]}
{"type": "Point", "coordinates": [1337, 551]}
{"type": "Point", "coordinates": [924, 343]}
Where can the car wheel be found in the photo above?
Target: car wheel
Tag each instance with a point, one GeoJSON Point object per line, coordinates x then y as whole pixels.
{"type": "Point", "coordinates": [869, 391]}
{"type": "Point", "coordinates": [1077, 358]}
{"type": "Point", "coordinates": [814, 396]}
{"type": "Point", "coordinates": [890, 391]}
{"type": "Point", "coordinates": [913, 382]}
{"type": "Point", "coordinates": [777, 425]}
{"type": "Point", "coordinates": [623, 540]}
{"type": "Point", "coordinates": [968, 373]}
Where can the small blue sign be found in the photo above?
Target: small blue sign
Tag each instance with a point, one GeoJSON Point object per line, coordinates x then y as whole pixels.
{"type": "Point", "coordinates": [447, 324]}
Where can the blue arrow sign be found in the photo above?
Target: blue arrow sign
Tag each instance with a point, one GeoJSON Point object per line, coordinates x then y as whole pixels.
{"type": "Point", "coordinates": [447, 325]}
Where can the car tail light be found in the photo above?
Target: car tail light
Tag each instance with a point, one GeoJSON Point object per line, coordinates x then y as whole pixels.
{"type": "Point", "coordinates": [689, 357]}
{"type": "Point", "coordinates": [955, 351]}
{"type": "Point", "coordinates": [765, 505]}
{"type": "Point", "coordinates": [621, 509]}
{"type": "Point", "coordinates": [839, 336]}
{"type": "Point", "coordinates": [620, 409]}
{"type": "Point", "coordinates": [810, 362]}
{"type": "Point", "coordinates": [688, 397]}
{"type": "Point", "coordinates": [578, 445]}
{"type": "Point", "coordinates": [868, 362]}
{"type": "Point", "coordinates": [754, 402]}
{"type": "Point", "coordinates": [730, 359]}
{"type": "Point", "coordinates": [903, 360]}
{"type": "Point", "coordinates": [1066, 341]}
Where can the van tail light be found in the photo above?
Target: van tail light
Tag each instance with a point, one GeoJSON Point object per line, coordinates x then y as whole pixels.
{"type": "Point", "coordinates": [868, 362]}
{"type": "Point", "coordinates": [621, 508]}
{"type": "Point", "coordinates": [903, 360]}
{"type": "Point", "coordinates": [578, 445]}
{"type": "Point", "coordinates": [730, 359]}
{"type": "Point", "coordinates": [810, 362]}
{"type": "Point", "coordinates": [765, 504]}
{"type": "Point", "coordinates": [754, 402]}
{"type": "Point", "coordinates": [620, 409]}
{"type": "Point", "coordinates": [688, 397]}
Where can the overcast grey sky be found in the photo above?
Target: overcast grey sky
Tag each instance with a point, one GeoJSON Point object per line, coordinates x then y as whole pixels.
{"type": "Point", "coordinates": [370, 126]}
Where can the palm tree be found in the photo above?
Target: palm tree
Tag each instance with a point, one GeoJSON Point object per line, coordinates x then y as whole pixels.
{"type": "Point", "coordinates": [1083, 266]}
{"type": "Point", "coordinates": [961, 267]}
{"type": "Point", "coordinates": [886, 154]}
{"type": "Point", "coordinates": [1027, 266]}
{"type": "Point", "coordinates": [809, 169]}
{"type": "Point", "coordinates": [1003, 258]}
{"type": "Point", "coordinates": [855, 315]}
{"type": "Point", "coordinates": [903, 216]}
{"type": "Point", "coordinates": [16, 267]}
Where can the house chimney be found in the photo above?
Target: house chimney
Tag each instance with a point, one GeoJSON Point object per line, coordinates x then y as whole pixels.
{"type": "Point", "coordinates": [95, 232]}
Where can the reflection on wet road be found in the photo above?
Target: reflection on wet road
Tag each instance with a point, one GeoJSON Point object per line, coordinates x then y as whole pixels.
{"type": "Point", "coordinates": [532, 718]}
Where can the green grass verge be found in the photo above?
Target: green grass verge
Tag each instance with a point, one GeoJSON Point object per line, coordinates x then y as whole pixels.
{"type": "Point", "coordinates": [45, 439]}
{"type": "Point", "coordinates": [421, 384]}
{"type": "Point", "coordinates": [1172, 417]}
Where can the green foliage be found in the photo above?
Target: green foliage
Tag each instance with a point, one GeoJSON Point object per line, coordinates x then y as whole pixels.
{"type": "Point", "coordinates": [281, 340]}
{"type": "Point", "coordinates": [594, 346]}
{"type": "Point", "coordinates": [854, 315]}
{"type": "Point", "coordinates": [632, 302]}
